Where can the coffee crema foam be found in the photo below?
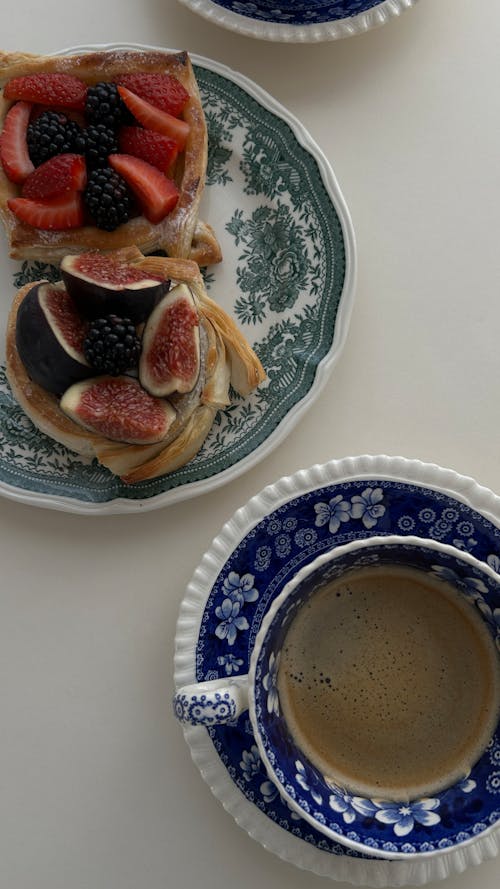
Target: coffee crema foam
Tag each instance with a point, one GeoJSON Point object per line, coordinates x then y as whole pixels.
{"type": "Point", "coordinates": [390, 683]}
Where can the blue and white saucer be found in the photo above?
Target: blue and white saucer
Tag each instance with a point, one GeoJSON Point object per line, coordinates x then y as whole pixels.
{"type": "Point", "coordinates": [303, 21]}
{"type": "Point", "coordinates": [254, 555]}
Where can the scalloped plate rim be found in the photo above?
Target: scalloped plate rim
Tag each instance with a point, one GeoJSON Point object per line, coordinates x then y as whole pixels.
{"type": "Point", "coordinates": [123, 505]}
{"type": "Point", "coordinates": [336, 29]}
{"type": "Point", "coordinates": [376, 871]}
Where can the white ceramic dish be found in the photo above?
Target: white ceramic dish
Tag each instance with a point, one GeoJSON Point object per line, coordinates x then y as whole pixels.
{"type": "Point", "coordinates": [275, 529]}
{"type": "Point", "coordinates": [232, 16]}
{"type": "Point", "coordinates": [290, 258]}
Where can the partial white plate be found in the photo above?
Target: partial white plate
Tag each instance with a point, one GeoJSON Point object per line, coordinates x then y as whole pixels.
{"type": "Point", "coordinates": [288, 278]}
{"type": "Point", "coordinates": [232, 17]}
{"type": "Point", "coordinates": [269, 538]}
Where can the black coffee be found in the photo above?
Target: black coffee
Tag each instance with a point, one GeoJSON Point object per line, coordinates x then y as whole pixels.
{"type": "Point", "coordinates": [390, 682]}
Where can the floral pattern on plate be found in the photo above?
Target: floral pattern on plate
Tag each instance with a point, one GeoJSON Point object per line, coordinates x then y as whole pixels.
{"type": "Point", "coordinates": [298, 12]}
{"type": "Point", "coordinates": [299, 21]}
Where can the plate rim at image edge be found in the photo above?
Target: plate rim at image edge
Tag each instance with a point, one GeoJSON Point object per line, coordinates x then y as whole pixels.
{"type": "Point", "coordinates": [334, 29]}
{"type": "Point", "coordinates": [123, 505]}
{"type": "Point", "coordinates": [295, 850]}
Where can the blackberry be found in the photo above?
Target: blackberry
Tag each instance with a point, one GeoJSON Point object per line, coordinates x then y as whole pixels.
{"type": "Point", "coordinates": [53, 133]}
{"type": "Point", "coordinates": [104, 105]}
{"type": "Point", "coordinates": [112, 345]}
{"type": "Point", "coordinates": [100, 141]}
{"type": "Point", "coordinates": [107, 198]}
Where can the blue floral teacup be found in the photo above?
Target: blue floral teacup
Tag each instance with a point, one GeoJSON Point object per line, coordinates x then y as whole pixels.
{"type": "Point", "coordinates": [386, 827]}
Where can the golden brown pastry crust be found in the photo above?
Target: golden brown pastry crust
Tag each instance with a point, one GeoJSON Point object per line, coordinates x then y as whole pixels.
{"type": "Point", "coordinates": [228, 359]}
{"type": "Point", "coordinates": [180, 233]}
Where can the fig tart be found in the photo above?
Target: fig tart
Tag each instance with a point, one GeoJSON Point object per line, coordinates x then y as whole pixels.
{"type": "Point", "coordinates": [126, 359]}
{"type": "Point", "coordinates": [100, 151]}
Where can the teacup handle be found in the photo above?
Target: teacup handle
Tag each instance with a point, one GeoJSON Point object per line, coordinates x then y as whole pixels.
{"type": "Point", "coordinates": [214, 702]}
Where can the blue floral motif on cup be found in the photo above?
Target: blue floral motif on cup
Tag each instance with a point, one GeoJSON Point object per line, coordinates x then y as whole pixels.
{"type": "Point", "coordinates": [373, 822]}
{"type": "Point", "coordinates": [205, 709]}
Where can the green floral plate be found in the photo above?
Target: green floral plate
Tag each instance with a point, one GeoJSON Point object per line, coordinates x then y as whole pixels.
{"type": "Point", "coordinates": [287, 277]}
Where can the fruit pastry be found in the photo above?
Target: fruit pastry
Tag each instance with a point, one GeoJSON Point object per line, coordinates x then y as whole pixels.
{"type": "Point", "coordinates": [100, 151]}
{"type": "Point", "coordinates": [126, 359]}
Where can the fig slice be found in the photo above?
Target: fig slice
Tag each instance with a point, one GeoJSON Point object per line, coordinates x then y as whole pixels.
{"type": "Point", "coordinates": [49, 337]}
{"type": "Point", "coordinates": [119, 409]}
{"type": "Point", "coordinates": [170, 358]}
{"type": "Point", "coordinates": [102, 284]}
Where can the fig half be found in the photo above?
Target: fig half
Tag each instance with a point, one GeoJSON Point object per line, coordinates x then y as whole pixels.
{"type": "Point", "coordinates": [170, 358]}
{"type": "Point", "coordinates": [102, 284]}
{"type": "Point", "coordinates": [49, 337]}
{"type": "Point", "coordinates": [118, 408]}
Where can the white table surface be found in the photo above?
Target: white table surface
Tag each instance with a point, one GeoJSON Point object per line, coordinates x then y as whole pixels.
{"type": "Point", "coordinates": [97, 788]}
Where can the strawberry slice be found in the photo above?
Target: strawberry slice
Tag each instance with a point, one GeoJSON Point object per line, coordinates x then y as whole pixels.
{"type": "Point", "coordinates": [13, 146]}
{"type": "Point", "coordinates": [54, 214]}
{"type": "Point", "coordinates": [158, 150]}
{"type": "Point", "coordinates": [62, 90]}
{"type": "Point", "coordinates": [161, 90]}
{"type": "Point", "coordinates": [154, 119]}
{"type": "Point", "coordinates": [156, 194]}
{"type": "Point", "coordinates": [64, 172]}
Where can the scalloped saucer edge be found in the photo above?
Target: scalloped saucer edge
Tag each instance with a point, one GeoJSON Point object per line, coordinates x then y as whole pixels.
{"type": "Point", "coordinates": [294, 849]}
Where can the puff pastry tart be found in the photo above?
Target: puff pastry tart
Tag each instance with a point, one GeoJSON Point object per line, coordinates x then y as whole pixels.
{"type": "Point", "coordinates": [137, 115]}
{"type": "Point", "coordinates": [146, 421]}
